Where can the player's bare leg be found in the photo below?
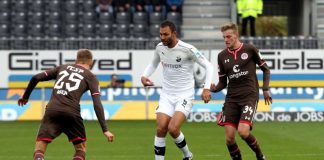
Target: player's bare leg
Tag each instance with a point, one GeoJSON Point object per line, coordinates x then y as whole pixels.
{"type": "Point", "coordinates": [244, 132]}
{"type": "Point", "coordinates": [40, 148]}
{"type": "Point", "coordinates": [179, 139]}
{"type": "Point", "coordinates": [162, 122]}
{"type": "Point", "coordinates": [80, 150]}
{"type": "Point", "coordinates": [232, 147]}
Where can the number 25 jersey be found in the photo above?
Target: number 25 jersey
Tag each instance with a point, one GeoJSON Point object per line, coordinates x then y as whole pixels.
{"type": "Point", "coordinates": [71, 82]}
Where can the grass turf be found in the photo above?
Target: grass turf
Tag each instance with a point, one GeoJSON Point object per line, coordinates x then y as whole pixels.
{"type": "Point", "coordinates": [134, 141]}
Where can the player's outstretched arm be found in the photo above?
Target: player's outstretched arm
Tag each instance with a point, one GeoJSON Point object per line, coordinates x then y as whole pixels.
{"type": "Point", "coordinates": [31, 85]}
{"type": "Point", "coordinates": [109, 136]}
{"type": "Point", "coordinates": [266, 81]}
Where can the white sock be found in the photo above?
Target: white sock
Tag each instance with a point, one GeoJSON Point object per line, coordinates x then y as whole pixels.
{"type": "Point", "coordinates": [181, 143]}
{"type": "Point", "coordinates": [159, 148]}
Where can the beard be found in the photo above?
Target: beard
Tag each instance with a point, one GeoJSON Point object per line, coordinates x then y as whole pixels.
{"type": "Point", "coordinates": [167, 41]}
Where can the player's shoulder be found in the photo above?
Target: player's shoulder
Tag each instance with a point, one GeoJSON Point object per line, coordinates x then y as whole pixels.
{"type": "Point", "coordinates": [248, 46]}
{"type": "Point", "coordinates": [159, 45]}
{"type": "Point", "coordinates": [185, 45]}
{"type": "Point", "coordinates": [89, 74]}
{"type": "Point", "coordinates": [223, 52]}
{"type": "Point", "coordinates": [62, 67]}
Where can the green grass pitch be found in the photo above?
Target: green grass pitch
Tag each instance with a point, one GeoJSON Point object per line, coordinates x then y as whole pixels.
{"type": "Point", "coordinates": [134, 141]}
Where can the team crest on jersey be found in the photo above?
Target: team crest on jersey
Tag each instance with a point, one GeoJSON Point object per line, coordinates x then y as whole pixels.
{"type": "Point", "coordinates": [244, 56]}
{"type": "Point", "coordinates": [178, 59]}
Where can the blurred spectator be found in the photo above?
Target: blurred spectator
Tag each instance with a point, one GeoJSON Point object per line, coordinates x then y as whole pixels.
{"type": "Point", "coordinates": [115, 82]}
{"type": "Point", "coordinates": [104, 6]}
{"type": "Point", "coordinates": [174, 5]}
{"type": "Point", "coordinates": [140, 5]}
{"type": "Point", "coordinates": [249, 10]}
{"type": "Point", "coordinates": [158, 5]}
{"type": "Point", "coordinates": [123, 5]}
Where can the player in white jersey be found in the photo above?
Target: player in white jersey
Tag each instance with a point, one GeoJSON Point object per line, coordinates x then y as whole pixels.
{"type": "Point", "coordinates": [177, 59]}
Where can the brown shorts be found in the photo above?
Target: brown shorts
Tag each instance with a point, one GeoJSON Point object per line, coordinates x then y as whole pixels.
{"type": "Point", "coordinates": [234, 113]}
{"type": "Point", "coordinates": [55, 122]}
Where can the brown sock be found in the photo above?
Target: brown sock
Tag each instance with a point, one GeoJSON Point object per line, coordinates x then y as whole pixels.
{"type": "Point", "coordinates": [234, 151]}
{"type": "Point", "coordinates": [253, 144]}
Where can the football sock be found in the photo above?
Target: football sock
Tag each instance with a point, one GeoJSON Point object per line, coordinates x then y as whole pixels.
{"type": "Point", "coordinates": [180, 141]}
{"type": "Point", "coordinates": [79, 155]}
{"type": "Point", "coordinates": [38, 155]}
{"type": "Point", "coordinates": [159, 148]}
{"type": "Point", "coordinates": [253, 143]}
{"type": "Point", "coordinates": [234, 151]}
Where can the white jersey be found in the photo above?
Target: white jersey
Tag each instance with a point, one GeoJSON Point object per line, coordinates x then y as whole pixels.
{"type": "Point", "coordinates": [178, 64]}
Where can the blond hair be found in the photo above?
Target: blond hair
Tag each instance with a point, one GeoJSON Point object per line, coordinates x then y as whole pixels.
{"type": "Point", "coordinates": [228, 26]}
{"type": "Point", "coordinates": [84, 56]}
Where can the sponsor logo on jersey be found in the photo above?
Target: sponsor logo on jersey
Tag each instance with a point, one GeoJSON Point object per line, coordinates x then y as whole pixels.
{"type": "Point", "coordinates": [226, 60]}
{"type": "Point", "coordinates": [171, 65]}
{"type": "Point", "coordinates": [244, 56]}
{"type": "Point", "coordinates": [236, 68]}
{"type": "Point", "coordinates": [178, 59]}
{"type": "Point", "coordinates": [237, 75]}
{"type": "Point", "coordinates": [237, 72]}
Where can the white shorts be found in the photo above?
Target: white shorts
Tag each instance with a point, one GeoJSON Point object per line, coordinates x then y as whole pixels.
{"type": "Point", "coordinates": [170, 104]}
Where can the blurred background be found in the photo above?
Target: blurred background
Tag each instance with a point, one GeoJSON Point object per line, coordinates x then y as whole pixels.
{"type": "Point", "coordinates": [36, 35]}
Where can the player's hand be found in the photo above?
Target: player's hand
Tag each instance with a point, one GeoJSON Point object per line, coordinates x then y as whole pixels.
{"type": "Point", "coordinates": [213, 87]}
{"type": "Point", "coordinates": [146, 81]}
{"type": "Point", "coordinates": [206, 95]}
{"type": "Point", "coordinates": [109, 136]}
{"type": "Point", "coordinates": [267, 97]}
{"type": "Point", "coordinates": [22, 101]}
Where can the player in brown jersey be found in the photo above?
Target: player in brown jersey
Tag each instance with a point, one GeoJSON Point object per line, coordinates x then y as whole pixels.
{"type": "Point", "coordinates": [237, 64]}
{"type": "Point", "coordinates": [62, 113]}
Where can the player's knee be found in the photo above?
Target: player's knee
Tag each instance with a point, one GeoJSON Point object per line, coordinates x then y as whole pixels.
{"type": "Point", "coordinates": [230, 139]}
{"type": "Point", "coordinates": [161, 130]}
{"type": "Point", "coordinates": [173, 129]}
{"type": "Point", "coordinates": [243, 132]}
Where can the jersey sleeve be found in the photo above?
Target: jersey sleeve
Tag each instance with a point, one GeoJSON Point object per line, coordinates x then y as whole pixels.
{"type": "Point", "coordinates": [149, 70]}
{"type": "Point", "coordinates": [222, 83]}
{"type": "Point", "coordinates": [264, 67]}
{"type": "Point", "coordinates": [43, 76]}
{"type": "Point", "coordinates": [257, 57]}
{"type": "Point", "coordinates": [94, 88]}
{"type": "Point", "coordinates": [221, 70]}
{"type": "Point", "coordinates": [201, 60]}
{"type": "Point", "coordinates": [93, 85]}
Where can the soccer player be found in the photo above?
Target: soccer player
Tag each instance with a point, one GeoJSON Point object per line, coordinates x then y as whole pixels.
{"type": "Point", "coordinates": [62, 113]}
{"type": "Point", "coordinates": [177, 59]}
{"type": "Point", "coordinates": [237, 64]}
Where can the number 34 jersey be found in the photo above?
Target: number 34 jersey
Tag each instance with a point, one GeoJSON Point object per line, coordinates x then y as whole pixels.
{"type": "Point", "coordinates": [239, 67]}
{"type": "Point", "coordinates": [71, 82]}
